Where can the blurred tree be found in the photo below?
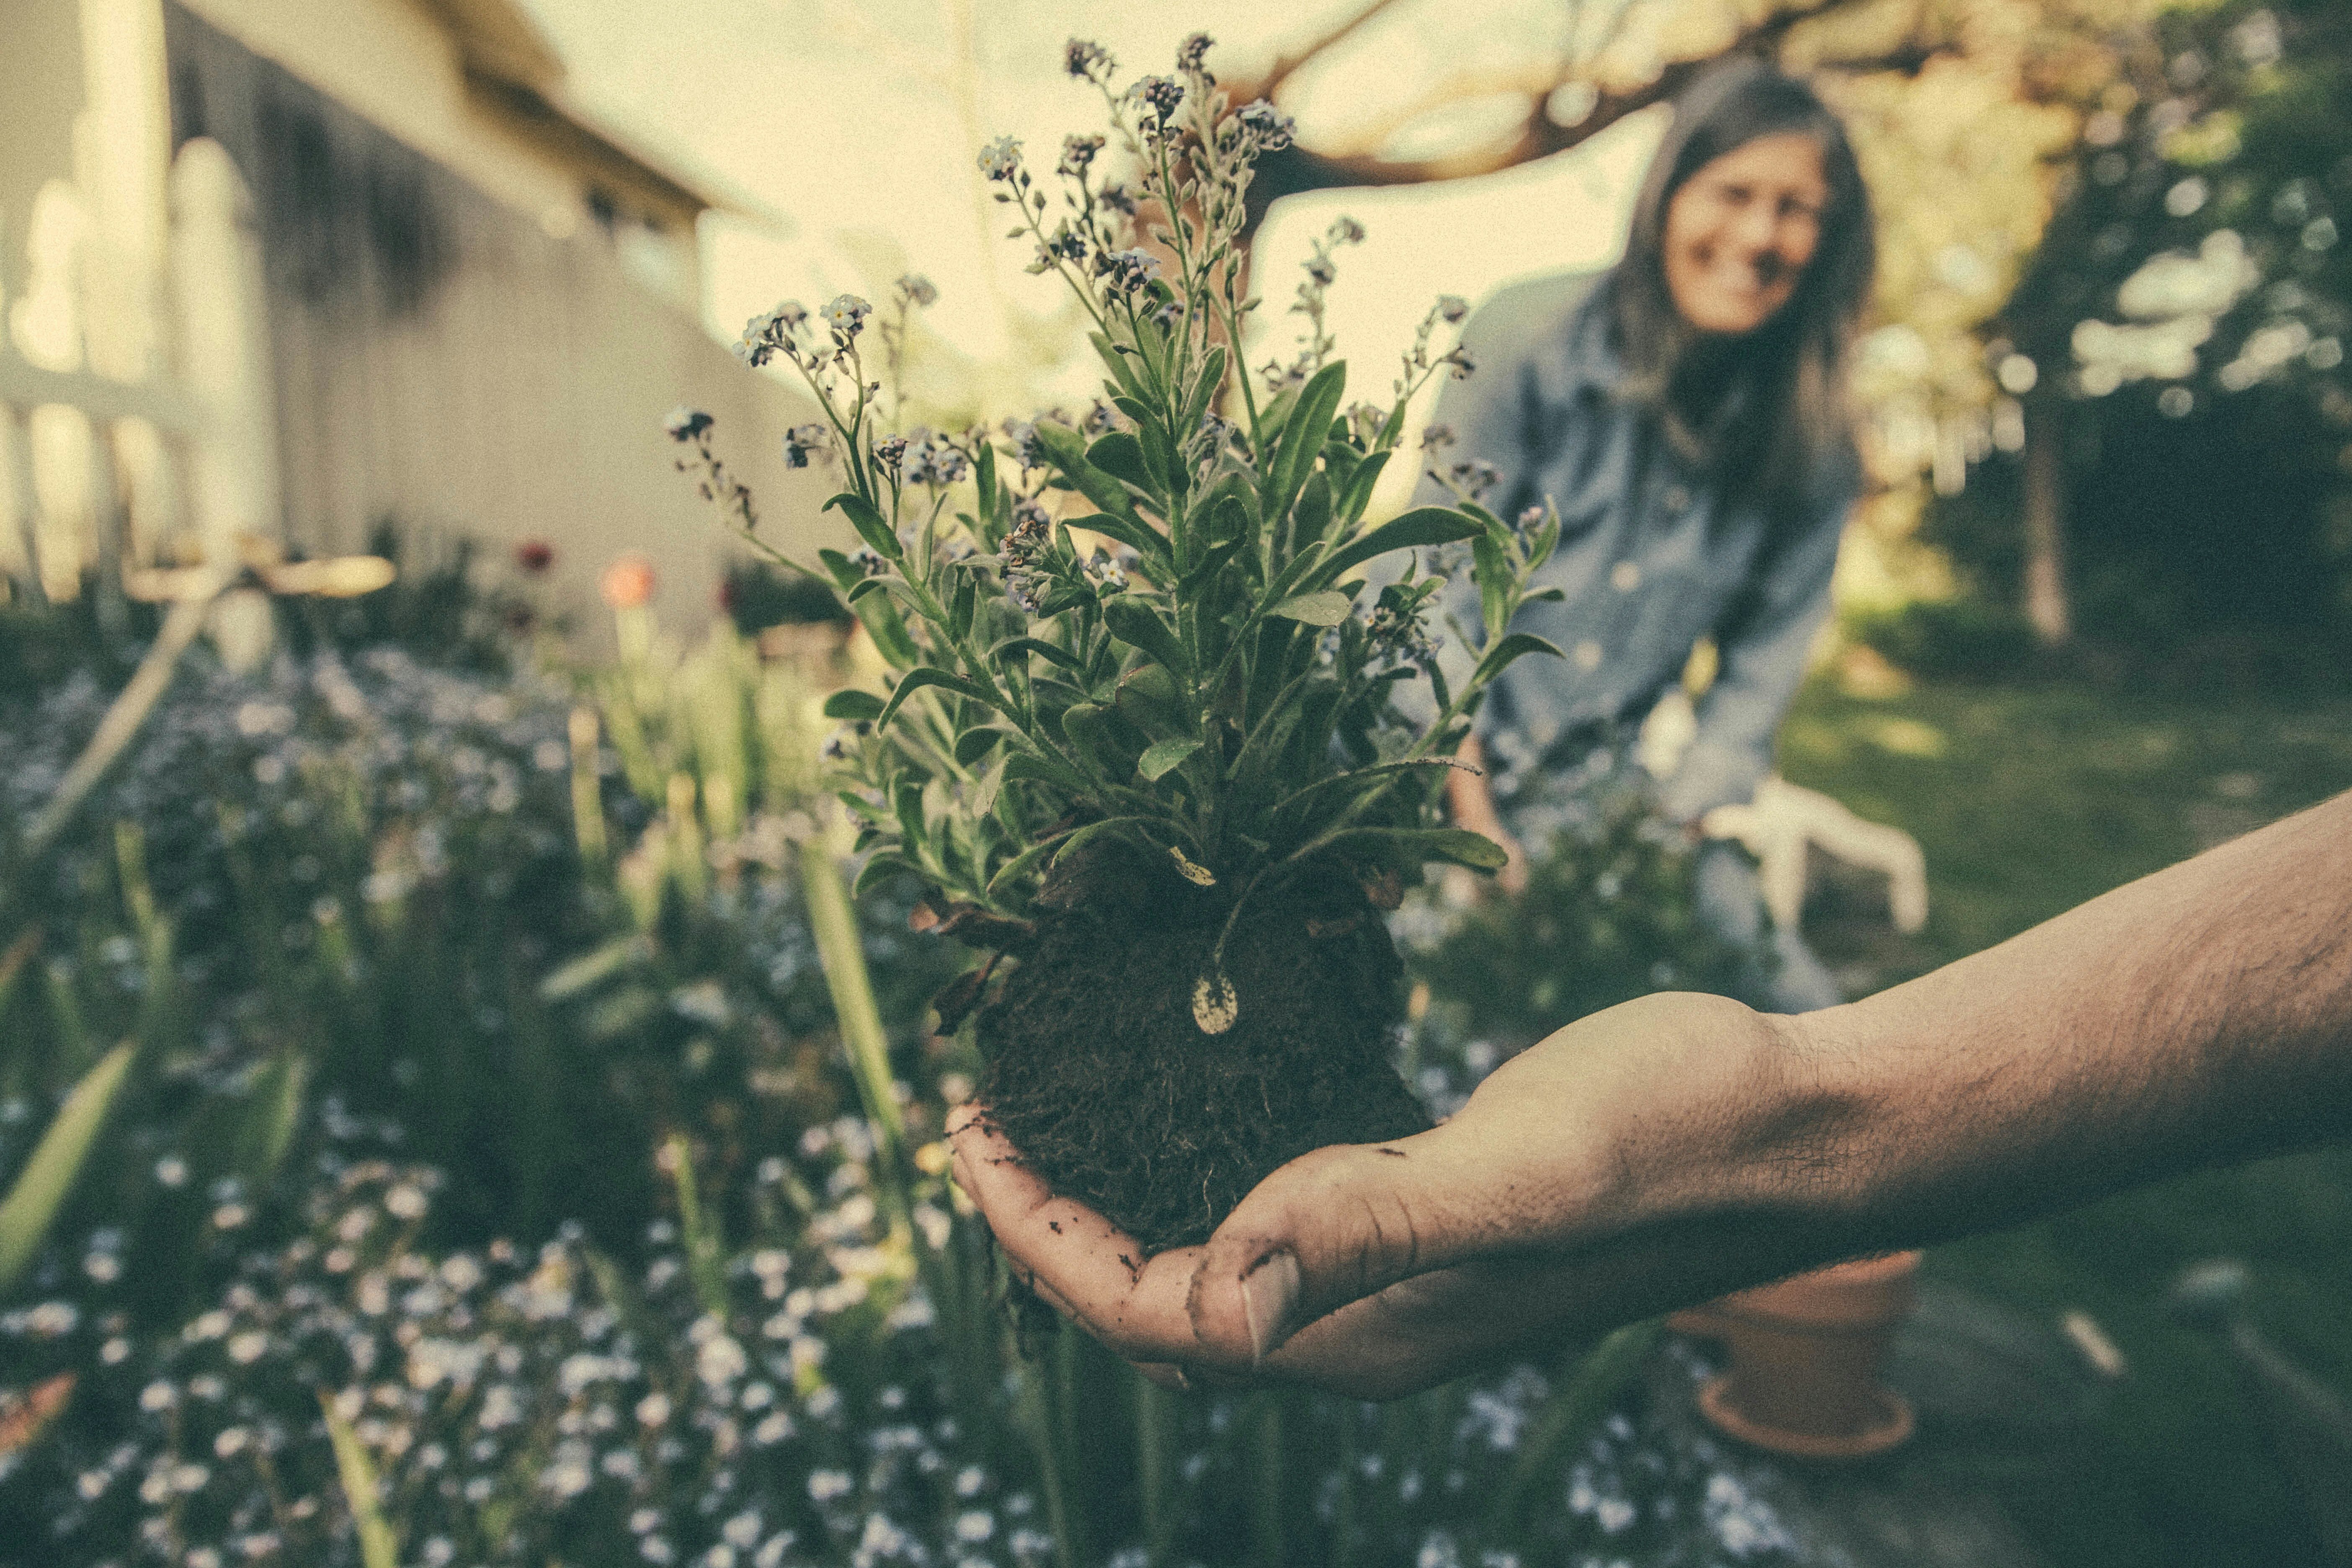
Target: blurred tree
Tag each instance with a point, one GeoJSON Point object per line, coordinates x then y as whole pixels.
{"type": "Point", "coordinates": [2172, 361]}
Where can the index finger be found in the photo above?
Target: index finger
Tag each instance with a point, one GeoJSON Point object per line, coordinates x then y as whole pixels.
{"type": "Point", "coordinates": [1080, 1261]}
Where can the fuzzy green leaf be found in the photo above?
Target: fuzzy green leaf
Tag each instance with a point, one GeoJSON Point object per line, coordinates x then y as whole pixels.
{"type": "Point", "coordinates": [914, 680]}
{"type": "Point", "coordinates": [1067, 448]}
{"type": "Point", "coordinates": [983, 794]}
{"type": "Point", "coordinates": [1122, 827]}
{"type": "Point", "coordinates": [879, 866]}
{"type": "Point", "coordinates": [1357, 493]}
{"type": "Point", "coordinates": [1518, 645]}
{"type": "Point", "coordinates": [1120, 455]}
{"type": "Point", "coordinates": [1141, 537]}
{"type": "Point", "coordinates": [1325, 608]}
{"type": "Point", "coordinates": [845, 575]}
{"type": "Point", "coordinates": [852, 704]}
{"type": "Point", "coordinates": [1302, 436]}
{"type": "Point", "coordinates": [1493, 570]}
{"type": "Point", "coordinates": [871, 526]}
{"type": "Point", "coordinates": [1138, 625]}
{"type": "Point", "coordinates": [1038, 645]}
{"type": "Point", "coordinates": [1163, 757]}
{"type": "Point", "coordinates": [1422, 525]}
{"type": "Point", "coordinates": [976, 743]}
{"type": "Point", "coordinates": [1458, 845]}
{"type": "Point", "coordinates": [1013, 870]}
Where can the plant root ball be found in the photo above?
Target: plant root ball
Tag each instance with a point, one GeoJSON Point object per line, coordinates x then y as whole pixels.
{"type": "Point", "coordinates": [1099, 1074]}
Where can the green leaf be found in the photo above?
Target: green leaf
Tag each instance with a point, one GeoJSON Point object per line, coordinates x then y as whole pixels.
{"type": "Point", "coordinates": [1493, 570]}
{"type": "Point", "coordinates": [1325, 608]}
{"type": "Point", "coordinates": [1312, 517]}
{"type": "Point", "coordinates": [976, 743]}
{"type": "Point", "coordinates": [962, 600]}
{"type": "Point", "coordinates": [879, 865]}
{"type": "Point", "coordinates": [1124, 827]}
{"type": "Point", "coordinates": [1205, 387]}
{"type": "Point", "coordinates": [871, 526]}
{"type": "Point", "coordinates": [845, 575]}
{"type": "Point", "coordinates": [1208, 565]}
{"type": "Point", "coordinates": [1108, 353]}
{"type": "Point", "coordinates": [1067, 448]}
{"type": "Point", "coordinates": [1356, 494]}
{"type": "Point", "coordinates": [870, 586]}
{"type": "Point", "coordinates": [852, 704]}
{"type": "Point", "coordinates": [1303, 805]}
{"type": "Point", "coordinates": [1163, 757]}
{"type": "Point", "coordinates": [41, 1188]}
{"type": "Point", "coordinates": [1458, 845]}
{"type": "Point", "coordinates": [1518, 645]}
{"type": "Point", "coordinates": [983, 794]}
{"type": "Point", "coordinates": [1120, 455]}
{"type": "Point", "coordinates": [1141, 537]}
{"type": "Point", "coordinates": [379, 1547]}
{"type": "Point", "coordinates": [889, 630]}
{"type": "Point", "coordinates": [1137, 624]}
{"type": "Point", "coordinates": [1302, 437]}
{"type": "Point", "coordinates": [1020, 865]}
{"type": "Point", "coordinates": [914, 680]}
{"type": "Point", "coordinates": [1147, 694]}
{"type": "Point", "coordinates": [862, 808]}
{"type": "Point", "coordinates": [1048, 651]}
{"type": "Point", "coordinates": [1422, 525]}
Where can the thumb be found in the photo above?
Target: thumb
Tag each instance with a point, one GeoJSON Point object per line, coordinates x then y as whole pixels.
{"type": "Point", "coordinates": [1331, 1228]}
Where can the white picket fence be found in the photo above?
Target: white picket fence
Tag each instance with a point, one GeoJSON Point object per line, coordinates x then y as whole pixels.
{"type": "Point", "coordinates": [105, 472]}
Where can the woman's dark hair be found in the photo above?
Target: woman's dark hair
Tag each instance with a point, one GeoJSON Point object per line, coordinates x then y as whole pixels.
{"type": "Point", "coordinates": [1762, 411]}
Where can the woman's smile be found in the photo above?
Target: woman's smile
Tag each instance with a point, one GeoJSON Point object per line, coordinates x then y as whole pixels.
{"type": "Point", "coordinates": [1740, 232]}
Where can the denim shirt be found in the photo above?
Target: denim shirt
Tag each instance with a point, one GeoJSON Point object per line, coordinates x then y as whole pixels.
{"type": "Point", "coordinates": [1652, 558]}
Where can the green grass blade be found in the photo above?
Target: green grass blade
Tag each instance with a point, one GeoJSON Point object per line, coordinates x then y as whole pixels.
{"type": "Point", "coordinates": [379, 1548]}
{"type": "Point", "coordinates": [1573, 1411]}
{"type": "Point", "coordinates": [41, 1188]}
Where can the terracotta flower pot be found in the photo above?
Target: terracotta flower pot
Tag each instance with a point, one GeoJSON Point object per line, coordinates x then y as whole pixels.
{"type": "Point", "coordinates": [1805, 1358]}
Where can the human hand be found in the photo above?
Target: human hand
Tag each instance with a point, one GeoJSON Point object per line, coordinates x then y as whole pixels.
{"type": "Point", "coordinates": [1374, 1270]}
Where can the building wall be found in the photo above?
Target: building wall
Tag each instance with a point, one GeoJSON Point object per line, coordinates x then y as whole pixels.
{"type": "Point", "coordinates": [446, 364]}
{"type": "Point", "coordinates": [395, 63]}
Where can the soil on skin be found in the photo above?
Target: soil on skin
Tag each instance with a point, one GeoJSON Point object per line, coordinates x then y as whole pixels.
{"type": "Point", "coordinates": [1098, 1075]}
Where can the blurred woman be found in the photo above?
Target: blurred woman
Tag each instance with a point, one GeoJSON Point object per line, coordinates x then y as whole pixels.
{"type": "Point", "coordinates": [1684, 410]}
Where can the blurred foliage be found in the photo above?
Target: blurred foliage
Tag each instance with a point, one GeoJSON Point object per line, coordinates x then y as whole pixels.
{"type": "Point", "coordinates": [1609, 913]}
{"type": "Point", "coordinates": [1967, 638]}
{"type": "Point", "coordinates": [2182, 326]}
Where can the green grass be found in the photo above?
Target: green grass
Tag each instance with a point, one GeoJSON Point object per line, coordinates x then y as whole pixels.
{"type": "Point", "coordinates": [2029, 801]}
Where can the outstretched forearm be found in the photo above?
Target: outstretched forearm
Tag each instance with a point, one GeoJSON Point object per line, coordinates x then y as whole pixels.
{"type": "Point", "coordinates": [1680, 1146]}
{"type": "Point", "coordinates": [2199, 1015]}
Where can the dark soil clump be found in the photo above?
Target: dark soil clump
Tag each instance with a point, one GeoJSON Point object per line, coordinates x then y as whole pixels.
{"type": "Point", "coordinates": [1099, 1074]}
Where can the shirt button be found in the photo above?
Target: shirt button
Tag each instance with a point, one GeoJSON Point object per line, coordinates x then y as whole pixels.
{"type": "Point", "coordinates": [1625, 576]}
{"type": "Point", "coordinates": [1586, 655]}
{"type": "Point", "coordinates": [1675, 498]}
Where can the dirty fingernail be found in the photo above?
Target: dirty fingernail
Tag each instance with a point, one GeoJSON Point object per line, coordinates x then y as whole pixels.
{"type": "Point", "coordinates": [1269, 1293]}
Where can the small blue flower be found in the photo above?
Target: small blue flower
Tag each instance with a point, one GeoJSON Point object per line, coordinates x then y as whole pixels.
{"type": "Point", "coordinates": [845, 314]}
{"type": "Point", "coordinates": [1267, 126]}
{"type": "Point", "coordinates": [1001, 159]}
